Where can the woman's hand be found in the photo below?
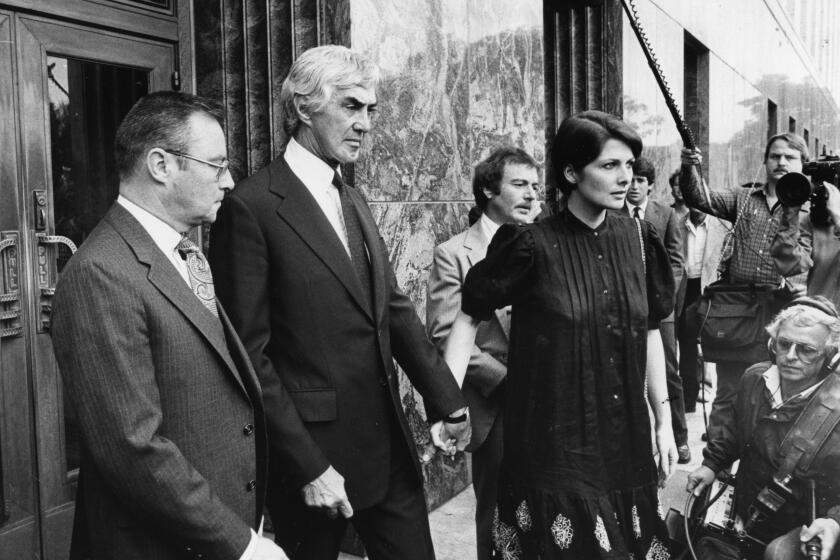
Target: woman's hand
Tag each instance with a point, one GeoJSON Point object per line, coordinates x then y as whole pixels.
{"type": "Point", "coordinates": [667, 453]}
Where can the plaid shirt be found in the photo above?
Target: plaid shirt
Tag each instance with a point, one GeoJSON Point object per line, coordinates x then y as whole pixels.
{"type": "Point", "coordinates": [750, 261]}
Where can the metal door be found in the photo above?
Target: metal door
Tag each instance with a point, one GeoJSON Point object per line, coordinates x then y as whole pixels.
{"type": "Point", "coordinates": [64, 90]}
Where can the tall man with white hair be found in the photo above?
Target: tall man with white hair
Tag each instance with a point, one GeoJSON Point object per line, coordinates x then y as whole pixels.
{"type": "Point", "coordinates": [300, 264]}
{"type": "Point", "coordinates": [783, 429]}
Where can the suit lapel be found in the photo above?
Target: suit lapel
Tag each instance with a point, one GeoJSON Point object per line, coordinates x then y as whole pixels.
{"type": "Point", "coordinates": [475, 244]}
{"type": "Point", "coordinates": [168, 282]}
{"type": "Point", "coordinates": [300, 210]}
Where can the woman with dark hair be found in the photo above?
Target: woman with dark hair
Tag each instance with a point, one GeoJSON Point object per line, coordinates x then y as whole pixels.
{"type": "Point", "coordinates": [588, 288]}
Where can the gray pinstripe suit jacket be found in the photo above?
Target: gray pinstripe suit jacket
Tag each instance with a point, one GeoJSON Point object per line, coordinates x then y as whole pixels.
{"type": "Point", "coordinates": [169, 408]}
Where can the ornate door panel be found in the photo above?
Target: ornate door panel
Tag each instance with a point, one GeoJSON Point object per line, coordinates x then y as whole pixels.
{"type": "Point", "coordinates": [73, 86]}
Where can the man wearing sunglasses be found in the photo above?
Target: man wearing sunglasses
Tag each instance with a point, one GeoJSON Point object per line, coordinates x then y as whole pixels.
{"type": "Point", "coordinates": [772, 396]}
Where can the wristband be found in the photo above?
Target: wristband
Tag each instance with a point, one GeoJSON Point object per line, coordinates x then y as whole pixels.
{"type": "Point", "coordinates": [455, 419]}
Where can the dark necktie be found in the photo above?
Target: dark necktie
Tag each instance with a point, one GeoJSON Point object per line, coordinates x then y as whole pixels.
{"type": "Point", "coordinates": [201, 280]}
{"type": "Point", "coordinates": [355, 239]}
{"type": "Point", "coordinates": [637, 212]}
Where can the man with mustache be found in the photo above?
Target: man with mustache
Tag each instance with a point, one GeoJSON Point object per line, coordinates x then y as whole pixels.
{"type": "Point", "coordinates": [757, 212]}
{"type": "Point", "coordinates": [300, 263]}
{"type": "Point", "coordinates": [505, 188]}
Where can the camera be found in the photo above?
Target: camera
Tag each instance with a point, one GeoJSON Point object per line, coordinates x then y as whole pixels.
{"type": "Point", "coordinates": [793, 189]}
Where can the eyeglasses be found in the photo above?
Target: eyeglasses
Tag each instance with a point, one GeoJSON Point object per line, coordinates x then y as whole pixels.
{"type": "Point", "coordinates": [221, 168]}
{"type": "Point", "coordinates": [806, 354]}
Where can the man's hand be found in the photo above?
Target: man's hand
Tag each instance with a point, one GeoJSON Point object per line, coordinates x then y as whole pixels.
{"type": "Point", "coordinates": [699, 479]}
{"type": "Point", "coordinates": [460, 432]}
{"type": "Point", "coordinates": [327, 493]}
{"type": "Point", "coordinates": [691, 157]}
{"type": "Point", "coordinates": [667, 453]}
{"type": "Point", "coordinates": [833, 203]}
{"type": "Point", "coordinates": [450, 438]}
{"type": "Point", "coordinates": [267, 550]}
{"type": "Point", "coordinates": [827, 530]}
{"type": "Point", "coordinates": [446, 445]}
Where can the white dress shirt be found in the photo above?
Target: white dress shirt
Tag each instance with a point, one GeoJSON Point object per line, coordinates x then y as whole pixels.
{"type": "Point", "coordinates": [488, 226]}
{"type": "Point", "coordinates": [695, 247]}
{"type": "Point", "coordinates": [317, 177]}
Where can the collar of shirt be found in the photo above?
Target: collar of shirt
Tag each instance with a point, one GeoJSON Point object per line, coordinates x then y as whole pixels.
{"type": "Point", "coordinates": [642, 208]}
{"type": "Point", "coordinates": [692, 228]}
{"type": "Point", "coordinates": [773, 382]}
{"type": "Point", "coordinates": [488, 226]}
{"type": "Point", "coordinates": [164, 236]}
{"type": "Point", "coordinates": [313, 172]}
{"type": "Point", "coordinates": [317, 177]}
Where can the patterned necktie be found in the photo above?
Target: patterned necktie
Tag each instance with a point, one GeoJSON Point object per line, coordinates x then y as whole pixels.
{"type": "Point", "coordinates": [201, 280]}
{"type": "Point", "coordinates": [355, 239]}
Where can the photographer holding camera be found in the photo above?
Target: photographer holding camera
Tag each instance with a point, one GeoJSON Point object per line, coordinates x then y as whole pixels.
{"type": "Point", "coordinates": [816, 210]}
{"type": "Point", "coordinates": [783, 427]}
{"type": "Point", "coordinates": [756, 216]}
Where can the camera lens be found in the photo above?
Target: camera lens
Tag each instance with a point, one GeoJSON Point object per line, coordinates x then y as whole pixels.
{"type": "Point", "coordinates": [793, 189]}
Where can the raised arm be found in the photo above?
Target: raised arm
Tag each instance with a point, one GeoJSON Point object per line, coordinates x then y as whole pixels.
{"type": "Point", "coordinates": [721, 204]}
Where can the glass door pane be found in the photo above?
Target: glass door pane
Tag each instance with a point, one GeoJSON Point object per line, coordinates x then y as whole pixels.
{"type": "Point", "coordinates": [87, 101]}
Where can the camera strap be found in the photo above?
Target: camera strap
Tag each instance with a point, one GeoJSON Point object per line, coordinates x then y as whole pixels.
{"type": "Point", "coordinates": [806, 438]}
{"type": "Point", "coordinates": [800, 446]}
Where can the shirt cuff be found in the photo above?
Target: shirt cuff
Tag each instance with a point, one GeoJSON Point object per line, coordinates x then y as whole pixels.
{"type": "Point", "coordinates": [251, 548]}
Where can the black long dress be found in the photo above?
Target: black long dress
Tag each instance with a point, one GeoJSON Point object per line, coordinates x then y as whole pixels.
{"type": "Point", "coordinates": [578, 476]}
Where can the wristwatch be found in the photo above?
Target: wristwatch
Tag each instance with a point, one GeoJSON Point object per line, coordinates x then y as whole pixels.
{"type": "Point", "coordinates": [457, 417]}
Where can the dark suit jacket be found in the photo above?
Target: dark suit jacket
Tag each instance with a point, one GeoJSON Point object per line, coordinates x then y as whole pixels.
{"type": "Point", "coordinates": [168, 405]}
{"type": "Point", "coordinates": [488, 359]}
{"type": "Point", "coordinates": [324, 361]}
{"type": "Point", "coordinates": [664, 220]}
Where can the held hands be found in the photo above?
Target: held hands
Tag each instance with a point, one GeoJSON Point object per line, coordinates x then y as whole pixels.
{"type": "Point", "coordinates": [667, 453]}
{"type": "Point", "coordinates": [691, 157]}
{"type": "Point", "coordinates": [449, 437]}
{"type": "Point", "coordinates": [827, 530]}
{"type": "Point", "coordinates": [701, 477]}
{"type": "Point", "coordinates": [327, 494]}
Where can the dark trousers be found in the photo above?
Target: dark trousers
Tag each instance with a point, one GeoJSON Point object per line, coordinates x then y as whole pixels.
{"type": "Point", "coordinates": [728, 377]}
{"type": "Point", "coordinates": [486, 464]}
{"type": "Point", "coordinates": [397, 528]}
{"type": "Point", "coordinates": [675, 389]}
{"type": "Point", "coordinates": [690, 374]}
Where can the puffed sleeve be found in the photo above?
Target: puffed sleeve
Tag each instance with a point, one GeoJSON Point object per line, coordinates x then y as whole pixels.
{"type": "Point", "coordinates": [498, 280]}
{"type": "Point", "coordinates": [660, 278]}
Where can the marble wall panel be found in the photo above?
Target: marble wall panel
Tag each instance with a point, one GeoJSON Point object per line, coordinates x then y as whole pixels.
{"type": "Point", "coordinates": [459, 77]}
{"type": "Point", "coordinates": [507, 91]}
{"type": "Point", "coordinates": [411, 232]}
